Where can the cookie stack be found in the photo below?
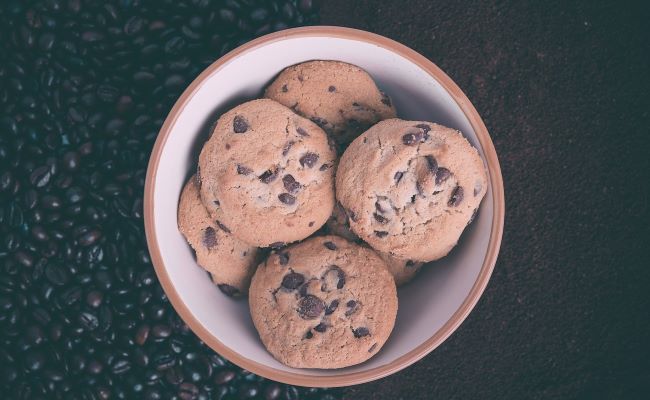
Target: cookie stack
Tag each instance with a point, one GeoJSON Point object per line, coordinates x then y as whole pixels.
{"type": "Point", "coordinates": [399, 196]}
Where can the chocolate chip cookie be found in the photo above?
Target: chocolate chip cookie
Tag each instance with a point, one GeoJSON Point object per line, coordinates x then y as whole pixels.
{"type": "Point", "coordinates": [402, 270]}
{"type": "Point", "coordinates": [410, 188]}
{"type": "Point", "coordinates": [323, 303]}
{"type": "Point", "coordinates": [229, 261]}
{"type": "Point", "coordinates": [341, 98]}
{"type": "Point", "coordinates": [267, 174]}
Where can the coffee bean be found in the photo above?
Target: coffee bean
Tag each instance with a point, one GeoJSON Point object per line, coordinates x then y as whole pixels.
{"type": "Point", "coordinates": [224, 377]}
{"type": "Point", "coordinates": [188, 391]}
{"type": "Point", "coordinates": [456, 197]}
{"type": "Point", "coordinates": [272, 392]}
{"type": "Point", "coordinates": [310, 307]}
{"type": "Point", "coordinates": [286, 198]}
{"type": "Point", "coordinates": [292, 280]}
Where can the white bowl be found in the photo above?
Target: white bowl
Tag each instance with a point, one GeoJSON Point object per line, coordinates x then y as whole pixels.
{"type": "Point", "coordinates": [430, 308]}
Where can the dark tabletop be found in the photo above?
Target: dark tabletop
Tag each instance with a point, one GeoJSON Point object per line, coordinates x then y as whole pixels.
{"type": "Point", "coordinates": [563, 88]}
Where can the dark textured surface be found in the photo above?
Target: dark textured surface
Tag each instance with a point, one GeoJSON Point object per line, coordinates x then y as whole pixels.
{"type": "Point", "coordinates": [563, 89]}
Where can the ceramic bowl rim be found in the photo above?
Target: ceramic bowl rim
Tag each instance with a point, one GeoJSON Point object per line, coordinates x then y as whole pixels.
{"type": "Point", "coordinates": [345, 378]}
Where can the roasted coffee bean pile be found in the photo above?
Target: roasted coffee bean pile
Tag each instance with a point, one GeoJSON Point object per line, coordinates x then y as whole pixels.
{"type": "Point", "coordinates": [84, 89]}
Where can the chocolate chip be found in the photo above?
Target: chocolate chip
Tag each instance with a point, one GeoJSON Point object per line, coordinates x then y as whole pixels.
{"type": "Point", "coordinates": [425, 127]}
{"type": "Point", "coordinates": [319, 121]}
{"type": "Point", "coordinates": [332, 307]}
{"type": "Point", "coordinates": [360, 332]}
{"type": "Point", "coordinates": [365, 140]}
{"type": "Point", "coordinates": [269, 176]}
{"type": "Point", "coordinates": [418, 187]}
{"type": "Point", "coordinates": [410, 264]}
{"type": "Point", "coordinates": [277, 245]}
{"type": "Point", "coordinates": [477, 188]}
{"type": "Point", "coordinates": [283, 258]}
{"type": "Point", "coordinates": [432, 164]}
{"type": "Point", "coordinates": [239, 124]}
{"type": "Point", "coordinates": [209, 237]}
{"type": "Point", "coordinates": [309, 335]}
{"type": "Point", "coordinates": [309, 160]}
{"type": "Point", "coordinates": [290, 183]}
{"type": "Point", "coordinates": [285, 89]}
{"type": "Point", "coordinates": [334, 277]}
{"type": "Point", "coordinates": [223, 227]}
{"type": "Point", "coordinates": [398, 176]}
{"type": "Point", "coordinates": [352, 306]}
{"type": "Point", "coordinates": [378, 207]}
{"type": "Point", "coordinates": [320, 328]}
{"type": "Point", "coordinates": [355, 104]}
{"type": "Point", "coordinates": [302, 132]}
{"type": "Point", "coordinates": [330, 245]}
{"type": "Point", "coordinates": [381, 234]}
{"type": "Point", "coordinates": [442, 174]}
{"type": "Point", "coordinates": [227, 146]}
{"type": "Point", "coordinates": [304, 289]}
{"type": "Point", "coordinates": [287, 147]}
{"type": "Point", "coordinates": [310, 307]}
{"type": "Point", "coordinates": [311, 223]}
{"type": "Point", "coordinates": [324, 167]}
{"type": "Point", "coordinates": [410, 139]}
{"type": "Point", "coordinates": [385, 99]}
{"type": "Point", "coordinates": [456, 197]}
{"type": "Point", "coordinates": [243, 170]}
{"type": "Point", "coordinates": [228, 290]}
{"type": "Point", "coordinates": [216, 203]}
{"type": "Point", "coordinates": [292, 280]}
{"type": "Point", "coordinates": [331, 89]}
{"type": "Point", "coordinates": [372, 348]}
{"type": "Point", "coordinates": [380, 218]}
{"type": "Point", "coordinates": [286, 198]}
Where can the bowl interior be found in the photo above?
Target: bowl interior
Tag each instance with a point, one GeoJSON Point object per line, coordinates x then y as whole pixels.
{"type": "Point", "coordinates": [425, 304]}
